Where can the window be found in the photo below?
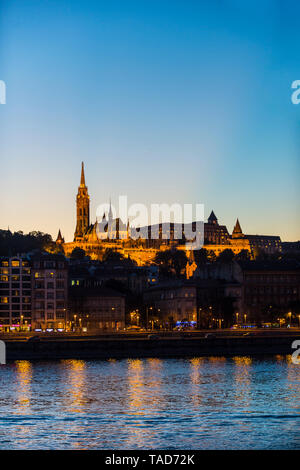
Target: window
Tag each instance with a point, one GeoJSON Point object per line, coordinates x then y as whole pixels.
{"type": "Point", "coordinates": [49, 264]}
{"type": "Point", "coordinates": [15, 263]}
{"type": "Point", "coordinates": [4, 300]}
{"type": "Point", "coordinates": [39, 285]}
{"type": "Point", "coordinates": [39, 305]}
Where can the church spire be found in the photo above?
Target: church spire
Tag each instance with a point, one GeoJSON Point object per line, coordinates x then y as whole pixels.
{"type": "Point", "coordinates": [82, 208]}
{"type": "Point", "coordinates": [237, 231]}
{"type": "Point", "coordinates": [60, 239]}
{"type": "Point", "coordinates": [82, 179]}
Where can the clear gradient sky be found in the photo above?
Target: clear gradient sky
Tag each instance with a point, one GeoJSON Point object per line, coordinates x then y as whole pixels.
{"type": "Point", "coordinates": [165, 101]}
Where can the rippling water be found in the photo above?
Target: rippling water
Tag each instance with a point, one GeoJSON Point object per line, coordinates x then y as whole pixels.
{"type": "Point", "coordinates": [200, 403]}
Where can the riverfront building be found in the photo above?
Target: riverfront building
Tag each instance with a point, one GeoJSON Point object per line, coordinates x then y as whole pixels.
{"type": "Point", "coordinates": [49, 291]}
{"type": "Point", "coordinates": [15, 294]}
{"type": "Point", "coordinates": [96, 308]}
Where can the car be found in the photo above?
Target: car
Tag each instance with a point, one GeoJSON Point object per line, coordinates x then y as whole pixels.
{"type": "Point", "coordinates": [185, 334]}
{"type": "Point", "coordinates": [133, 328]}
{"type": "Point", "coordinates": [33, 339]}
{"type": "Point", "coordinates": [210, 336]}
{"type": "Point", "coordinates": [152, 336]}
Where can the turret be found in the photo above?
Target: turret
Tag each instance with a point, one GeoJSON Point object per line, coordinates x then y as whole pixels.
{"type": "Point", "coordinates": [212, 219]}
{"type": "Point", "coordinates": [60, 239]}
{"type": "Point", "coordinates": [237, 231]}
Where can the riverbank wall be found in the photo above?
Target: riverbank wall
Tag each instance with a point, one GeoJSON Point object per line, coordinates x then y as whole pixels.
{"type": "Point", "coordinates": [161, 347]}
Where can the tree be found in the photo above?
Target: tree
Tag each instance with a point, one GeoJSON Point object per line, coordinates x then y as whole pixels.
{"type": "Point", "coordinates": [225, 256]}
{"type": "Point", "coordinates": [77, 253]}
{"type": "Point", "coordinates": [201, 256]}
{"type": "Point", "coordinates": [113, 256]}
{"type": "Point", "coordinates": [16, 243]}
{"type": "Point", "coordinates": [211, 256]}
{"type": "Point", "coordinates": [171, 262]}
{"type": "Point", "coordinates": [243, 255]}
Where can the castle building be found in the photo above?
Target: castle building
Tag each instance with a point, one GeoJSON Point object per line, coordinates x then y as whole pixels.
{"type": "Point", "coordinates": [109, 233]}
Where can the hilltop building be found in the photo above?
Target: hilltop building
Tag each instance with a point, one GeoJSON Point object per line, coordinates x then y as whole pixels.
{"type": "Point", "coordinates": [95, 238]}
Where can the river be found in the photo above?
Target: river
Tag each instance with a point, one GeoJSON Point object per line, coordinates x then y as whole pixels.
{"type": "Point", "coordinates": [197, 403]}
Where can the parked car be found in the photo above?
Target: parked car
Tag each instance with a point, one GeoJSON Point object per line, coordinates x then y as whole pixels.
{"type": "Point", "coordinates": [153, 336]}
{"type": "Point", "coordinates": [210, 336]}
{"type": "Point", "coordinates": [33, 339]}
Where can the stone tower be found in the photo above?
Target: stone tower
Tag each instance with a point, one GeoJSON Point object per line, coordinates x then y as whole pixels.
{"type": "Point", "coordinates": [83, 208]}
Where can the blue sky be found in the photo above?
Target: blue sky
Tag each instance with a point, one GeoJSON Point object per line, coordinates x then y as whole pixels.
{"type": "Point", "coordinates": [165, 101]}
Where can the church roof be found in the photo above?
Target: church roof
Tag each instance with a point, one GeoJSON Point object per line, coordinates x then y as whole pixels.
{"type": "Point", "coordinates": [237, 227]}
{"type": "Point", "coordinates": [212, 218]}
{"type": "Point", "coordinates": [60, 237]}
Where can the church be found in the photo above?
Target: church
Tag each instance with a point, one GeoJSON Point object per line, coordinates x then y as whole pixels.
{"type": "Point", "coordinates": [114, 234]}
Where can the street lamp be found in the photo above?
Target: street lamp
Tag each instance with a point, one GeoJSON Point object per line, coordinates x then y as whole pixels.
{"type": "Point", "coordinates": [147, 314]}
{"type": "Point", "coordinates": [75, 316]}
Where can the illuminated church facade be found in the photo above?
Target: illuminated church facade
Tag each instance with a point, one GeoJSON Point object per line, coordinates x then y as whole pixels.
{"type": "Point", "coordinates": [96, 238]}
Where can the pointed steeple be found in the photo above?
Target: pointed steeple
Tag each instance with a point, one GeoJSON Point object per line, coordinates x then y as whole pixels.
{"type": "Point", "coordinates": [237, 231]}
{"type": "Point", "coordinates": [82, 208]}
{"type": "Point", "coordinates": [59, 239]}
{"type": "Point", "coordinates": [212, 219]}
{"type": "Point", "coordinates": [82, 179]}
